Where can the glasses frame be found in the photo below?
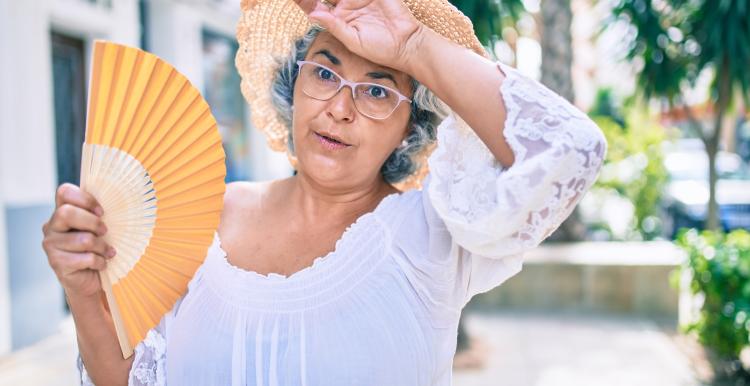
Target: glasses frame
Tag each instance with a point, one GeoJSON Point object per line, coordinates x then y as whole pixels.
{"type": "Point", "coordinates": [353, 86]}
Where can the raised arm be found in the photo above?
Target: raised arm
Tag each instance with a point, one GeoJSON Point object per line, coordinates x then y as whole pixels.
{"type": "Point", "coordinates": [466, 82]}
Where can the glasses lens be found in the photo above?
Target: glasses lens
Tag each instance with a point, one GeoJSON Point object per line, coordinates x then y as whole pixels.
{"type": "Point", "coordinates": [318, 82]}
{"type": "Point", "coordinates": [375, 101]}
{"type": "Point", "coordinates": [372, 100]}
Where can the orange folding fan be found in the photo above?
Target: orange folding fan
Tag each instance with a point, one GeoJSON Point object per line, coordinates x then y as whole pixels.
{"type": "Point", "coordinates": [153, 159]}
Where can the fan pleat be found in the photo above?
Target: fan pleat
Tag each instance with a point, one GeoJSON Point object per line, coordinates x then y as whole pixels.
{"type": "Point", "coordinates": [156, 116]}
{"type": "Point", "coordinates": [147, 72]}
{"type": "Point", "coordinates": [179, 107]}
{"type": "Point", "coordinates": [172, 264]}
{"type": "Point", "coordinates": [135, 319]}
{"type": "Point", "coordinates": [202, 152]}
{"type": "Point", "coordinates": [189, 118]}
{"type": "Point", "coordinates": [197, 175]}
{"type": "Point", "coordinates": [158, 250]}
{"type": "Point", "coordinates": [152, 95]}
{"type": "Point", "coordinates": [153, 158]}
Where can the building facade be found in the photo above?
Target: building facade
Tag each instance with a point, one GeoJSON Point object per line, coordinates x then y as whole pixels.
{"type": "Point", "coordinates": [45, 50]}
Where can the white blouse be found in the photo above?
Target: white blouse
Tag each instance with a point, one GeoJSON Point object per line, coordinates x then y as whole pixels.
{"type": "Point", "coordinates": [383, 307]}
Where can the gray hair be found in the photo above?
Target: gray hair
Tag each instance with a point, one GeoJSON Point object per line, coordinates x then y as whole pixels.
{"type": "Point", "coordinates": [426, 112]}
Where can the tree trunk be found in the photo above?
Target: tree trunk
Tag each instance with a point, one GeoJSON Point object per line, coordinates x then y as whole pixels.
{"type": "Point", "coordinates": [557, 63]}
{"type": "Point", "coordinates": [557, 47]}
{"type": "Point", "coordinates": [712, 144]}
{"type": "Point", "coordinates": [712, 216]}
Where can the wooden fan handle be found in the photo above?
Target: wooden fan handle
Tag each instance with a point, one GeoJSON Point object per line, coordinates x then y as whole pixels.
{"type": "Point", "coordinates": [122, 336]}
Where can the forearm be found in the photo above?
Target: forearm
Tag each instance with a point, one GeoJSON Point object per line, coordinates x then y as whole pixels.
{"type": "Point", "coordinates": [97, 342]}
{"type": "Point", "coordinates": [468, 83]}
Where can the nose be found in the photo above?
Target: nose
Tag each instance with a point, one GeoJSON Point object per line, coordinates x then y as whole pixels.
{"type": "Point", "coordinates": [341, 106]}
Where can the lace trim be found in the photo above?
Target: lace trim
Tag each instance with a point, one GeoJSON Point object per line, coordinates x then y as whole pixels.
{"type": "Point", "coordinates": [148, 366]}
{"type": "Point", "coordinates": [83, 374]}
{"type": "Point", "coordinates": [558, 152]}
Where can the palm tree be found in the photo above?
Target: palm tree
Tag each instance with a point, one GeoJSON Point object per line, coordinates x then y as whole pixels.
{"type": "Point", "coordinates": [675, 41]}
{"type": "Point", "coordinates": [557, 47]}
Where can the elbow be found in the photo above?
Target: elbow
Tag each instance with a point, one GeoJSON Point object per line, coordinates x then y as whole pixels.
{"type": "Point", "coordinates": [116, 374]}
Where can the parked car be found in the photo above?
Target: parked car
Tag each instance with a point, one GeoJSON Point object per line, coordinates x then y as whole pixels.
{"type": "Point", "coordinates": [685, 199]}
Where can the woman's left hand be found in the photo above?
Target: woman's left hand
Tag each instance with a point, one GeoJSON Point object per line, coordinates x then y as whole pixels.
{"type": "Point", "coordinates": [382, 31]}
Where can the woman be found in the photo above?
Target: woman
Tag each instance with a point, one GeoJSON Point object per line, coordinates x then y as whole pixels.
{"type": "Point", "coordinates": [333, 276]}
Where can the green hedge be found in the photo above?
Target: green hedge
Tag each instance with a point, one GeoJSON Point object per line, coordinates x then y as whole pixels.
{"type": "Point", "coordinates": [719, 265]}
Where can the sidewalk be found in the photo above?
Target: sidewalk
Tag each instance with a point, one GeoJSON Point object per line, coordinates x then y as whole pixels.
{"type": "Point", "coordinates": [523, 350]}
{"type": "Point", "coordinates": [51, 362]}
{"type": "Point", "coordinates": [571, 350]}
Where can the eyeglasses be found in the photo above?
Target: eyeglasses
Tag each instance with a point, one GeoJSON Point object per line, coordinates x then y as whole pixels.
{"type": "Point", "coordinates": [372, 100]}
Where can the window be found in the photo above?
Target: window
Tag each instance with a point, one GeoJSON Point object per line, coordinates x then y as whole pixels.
{"type": "Point", "coordinates": [69, 79]}
{"type": "Point", "coordinates": [222, 92]}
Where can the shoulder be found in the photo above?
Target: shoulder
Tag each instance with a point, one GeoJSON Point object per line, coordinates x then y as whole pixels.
{"type": "Point", "coordinates": [241, 202]}
{"type": "Point", "coordinates": [243, 194]}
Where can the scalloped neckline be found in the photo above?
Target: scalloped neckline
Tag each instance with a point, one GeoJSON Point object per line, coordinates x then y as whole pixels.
{"type": "Point", "coordinates": [273, 276]}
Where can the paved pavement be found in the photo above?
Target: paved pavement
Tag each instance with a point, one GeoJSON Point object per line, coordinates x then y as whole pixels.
{"type": "Point", "coordinates": [560, 350]}
{"type": "Point", "coordinates": [522, 349]}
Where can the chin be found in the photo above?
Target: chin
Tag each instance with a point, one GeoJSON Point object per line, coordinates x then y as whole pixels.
{"type": "Point", "coordinates": [323, 168]}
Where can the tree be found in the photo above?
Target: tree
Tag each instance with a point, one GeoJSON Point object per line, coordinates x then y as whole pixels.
{"type": "Point", "coordinates": [674, 41]}
{"type": "Point", "coordinates": [557, 74]}
{"type": "Point", "coordinates": [557, 47]}
{"type": "Point", "coordinates": [490, 17]}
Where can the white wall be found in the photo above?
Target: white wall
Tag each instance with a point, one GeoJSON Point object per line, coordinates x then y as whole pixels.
{"type": "Point", "coordinates": [28, 170]}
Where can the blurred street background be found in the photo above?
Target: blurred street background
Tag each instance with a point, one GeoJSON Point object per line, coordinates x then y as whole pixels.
{"type": "Point", "coordinates": [648, 282]}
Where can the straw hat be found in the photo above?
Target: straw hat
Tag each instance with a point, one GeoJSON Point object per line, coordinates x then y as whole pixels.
{"type": "Point", "coordinates": [268, 29]}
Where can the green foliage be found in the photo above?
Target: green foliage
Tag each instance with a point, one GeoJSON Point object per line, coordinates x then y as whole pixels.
{"type": "Point", "coordinates": [491, 16]}
{"type": "Point", "coordinates": [719, 268]}
{"type": "Point", "coordinates": [634, 165]}
{"type": "Point", "coordinates": [674, 40]}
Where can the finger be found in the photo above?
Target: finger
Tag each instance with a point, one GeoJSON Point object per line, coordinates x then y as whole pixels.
{"type": "Point", "coordinates": [336, 26]}
{"type": "Point", "coordinates": [69, 217]}
{"type": "Point", "coordinates": [307, 5]}
{"type": "Point", "coordinates": [70, 194]}
{"type": "Point", "coordinates": [82, 242]}
{"type": "Point", "coordinates": [70, 262]}
{"type": "Point", "coordinates": [73, 262]}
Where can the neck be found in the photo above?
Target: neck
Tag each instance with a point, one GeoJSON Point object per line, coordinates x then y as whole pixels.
{"type": "Point", "coordinates": [315, 203]}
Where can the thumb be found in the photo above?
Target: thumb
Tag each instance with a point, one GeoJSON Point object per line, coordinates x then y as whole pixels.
{"type": "Point", "coordinates": [336, 27]}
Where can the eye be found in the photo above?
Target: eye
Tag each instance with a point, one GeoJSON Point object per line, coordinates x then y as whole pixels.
{"type": "Point", "coordinates": [325, 74]}
{"type": "Point", "coordinates": [377, 92]}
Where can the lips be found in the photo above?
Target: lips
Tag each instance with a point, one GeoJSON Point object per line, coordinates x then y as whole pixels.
{"type": "Point", "coordinates": [331, 137]}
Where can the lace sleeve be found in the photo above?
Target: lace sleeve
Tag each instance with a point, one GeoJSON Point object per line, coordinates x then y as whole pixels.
{"type": "Point", "coordinates": [493, 212]}
{"type": "Point", "coordinates": [148, 363]}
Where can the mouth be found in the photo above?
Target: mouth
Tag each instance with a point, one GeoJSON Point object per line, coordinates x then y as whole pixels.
{"type": "Point", "coordinates": [330, 142]}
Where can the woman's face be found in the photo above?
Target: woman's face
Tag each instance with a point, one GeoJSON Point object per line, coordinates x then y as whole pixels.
{"type": "Point", "coordinates": [367, 142]}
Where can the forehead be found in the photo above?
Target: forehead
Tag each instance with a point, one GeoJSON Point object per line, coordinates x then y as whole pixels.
{"type": "Point", "coordinates": [351, 63]}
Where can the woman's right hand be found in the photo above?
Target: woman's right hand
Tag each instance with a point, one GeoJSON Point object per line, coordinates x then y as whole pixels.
{"type": "Point", "coordinates": [73, 242]}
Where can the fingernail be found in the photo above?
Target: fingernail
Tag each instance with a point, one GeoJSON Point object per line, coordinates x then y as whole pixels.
{"type": "Point", "coordinates": [102, 229]}
{"type": "Point", "coordinates": [99, 211]}
{"type": "Point", "coordinates": [111, 252]}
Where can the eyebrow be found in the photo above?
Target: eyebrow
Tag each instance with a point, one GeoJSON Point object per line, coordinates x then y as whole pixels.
{"type": "Point", "coordinates": [382, 75]}
{"type": "Point", "coordinates": [373, 75]}
{"type": "Point", "coordinates": [328, 55]}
